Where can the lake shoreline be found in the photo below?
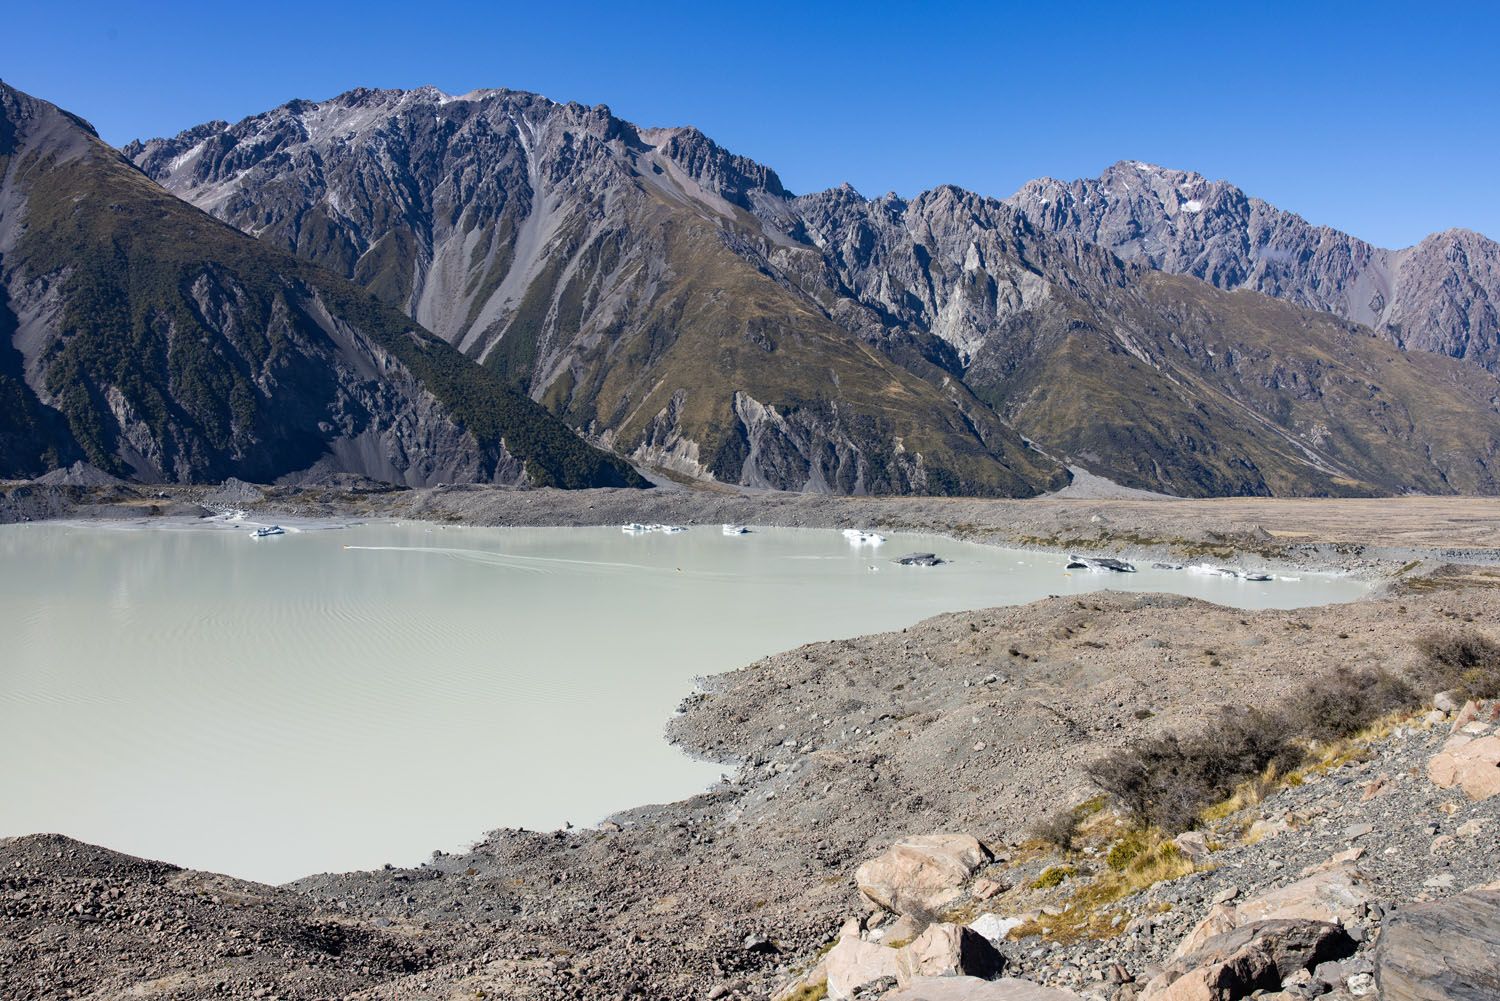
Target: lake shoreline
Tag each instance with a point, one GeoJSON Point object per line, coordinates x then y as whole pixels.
{"type": "Point", "coordinates": [1365, 537]}
{"type": "Point", "coordinates": [830, 749]}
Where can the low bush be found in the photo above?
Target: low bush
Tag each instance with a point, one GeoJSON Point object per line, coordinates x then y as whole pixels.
{"type": "Point", "coordinates": [1053, 875]}
{"type": "Point", "coordinates": [1058, 829]}
{"type": "Point", "coordinates": [1169, 780]}
{"type": "Point", "coordinates": [1165, 781]}
{"type": "Point", "coordinates": [1344, 701]}
{"type": "Point", "coordinates": [1467, 662]}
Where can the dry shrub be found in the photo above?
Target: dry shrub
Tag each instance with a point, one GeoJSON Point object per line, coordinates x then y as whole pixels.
{"type": "Point", "coordinates": [1166, 781]}
{"type": "Point", "coordinates": [1344, 701]}
{"type": "Point", "coordinates": [1058, 829]}
{"type": "Point", "coordinates": [1465, 661]}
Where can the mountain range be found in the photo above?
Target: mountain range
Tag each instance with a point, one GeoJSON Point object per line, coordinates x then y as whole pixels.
{"type": "Point", "coordinates": [672, 303]}
{"type": "Point", "coordinates": [1441, 295]}
{"type": "Point", "coordinates": [153, 341]}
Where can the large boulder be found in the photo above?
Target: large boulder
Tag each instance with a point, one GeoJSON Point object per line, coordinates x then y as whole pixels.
{"type": "Point", "coordinates": [994, 927]}
{"type": "Point", "coordinates": [1471, 763]}
{"type": "Point", "coordinates": [853, 963]}
{"type": "Point", "coordinates": [1338, 895]}
{"type": "Point", "coordinates": [974, 989]}
{"type": "Point", "coordinates": [1253, 957]}
{"type": "Point", "coordinates": [947, 950]}
{"type": "Point", "coordinates": [921, 874]}
{"type": "Point", "coordinates": [1447, 950]}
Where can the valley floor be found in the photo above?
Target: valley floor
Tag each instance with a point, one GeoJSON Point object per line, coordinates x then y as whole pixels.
{"type": "Point", "coordinates": [976, 722]}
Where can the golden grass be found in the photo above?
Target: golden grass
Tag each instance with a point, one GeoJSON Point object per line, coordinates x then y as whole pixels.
{"type": "Point", "coordinates": [1137, 859]}
{"type": "Point", "coordinates": [809, 992]}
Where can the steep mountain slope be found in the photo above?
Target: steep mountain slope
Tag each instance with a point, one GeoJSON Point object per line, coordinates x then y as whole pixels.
{"type": "Point", "coordinates": [599, 267]}
{"type": "Point", "coordinates": [677, 301]}
{"type": "Point", "coordinates": [1158, 381]}
{"type": "Point", "coordinates": [1442, 295]}
{"type": "Point", "coordinates": [153, 341]}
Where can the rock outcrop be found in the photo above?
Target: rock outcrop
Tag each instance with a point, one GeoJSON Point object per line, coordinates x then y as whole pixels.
{"type": "Point", "coordinates": [1442, 295]}
{"type": "Point", "coordinates": [921, 874]}
{"type": "Point", "coordinates": [1446, 950]}
{"type": "Point", "coordinates": [1256, 956]}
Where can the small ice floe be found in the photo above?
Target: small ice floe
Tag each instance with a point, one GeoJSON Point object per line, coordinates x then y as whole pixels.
{"type": "Point", "coordinates": [670, 529]}
{"type": "Point", "coordinates": [636, 528]}
{"type": "Point", "coordinates": [1166, 566]}
{"type": "Point", "coordinates": [267, 531]}
{"type": "Point", "coordinates": [921, 560]}
{"type": "Point", "coordinates": [1211, 570]}
{"type": "Point", "coordinates": [860, 537]}
{"type": "Point", "coordinates": [735, 529]}
{"type": "Point", "coordinates": [1099, 564]}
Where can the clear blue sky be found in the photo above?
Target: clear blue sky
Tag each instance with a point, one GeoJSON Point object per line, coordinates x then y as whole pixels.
{"type": "Point", "coordinates": [1379, 118]}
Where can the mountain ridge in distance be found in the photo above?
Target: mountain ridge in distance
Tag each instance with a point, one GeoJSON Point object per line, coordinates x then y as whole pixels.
{"type": "Point", "coordinates": [1442, 294]}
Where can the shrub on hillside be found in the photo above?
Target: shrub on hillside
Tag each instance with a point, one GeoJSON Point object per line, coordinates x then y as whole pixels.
{"type": "Point", "coordinates": [1345, 701]}
{"type": "Point", "coordinates": [1464, 661]}
{"type": "Point", "coordinates": [1059, 829]}
{"type": "Point", "coordinates": [1166, 781]}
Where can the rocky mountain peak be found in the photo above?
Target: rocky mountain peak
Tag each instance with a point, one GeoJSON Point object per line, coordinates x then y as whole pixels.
{"type": "Point", "coordinates": [735, 178]}
{"type": "Point", "coordinates": [1441, 295]}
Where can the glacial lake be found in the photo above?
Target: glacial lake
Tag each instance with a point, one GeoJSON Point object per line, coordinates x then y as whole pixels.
{"type": "Point", "coordinates": [338, 698]}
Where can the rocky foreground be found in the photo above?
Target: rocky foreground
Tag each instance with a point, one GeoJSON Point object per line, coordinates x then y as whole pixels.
{"type": "Point", "coordinates": [877, 827]}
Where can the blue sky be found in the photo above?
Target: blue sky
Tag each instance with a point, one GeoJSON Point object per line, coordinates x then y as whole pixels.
{"type": "Point", "coordinates": [1378, 118]}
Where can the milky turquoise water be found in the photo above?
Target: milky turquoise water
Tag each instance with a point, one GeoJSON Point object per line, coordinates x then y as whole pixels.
{"type": "Point", "coordinates": [340, 698]}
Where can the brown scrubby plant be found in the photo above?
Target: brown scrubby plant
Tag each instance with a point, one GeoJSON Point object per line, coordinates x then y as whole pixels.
{"type": "Point", "coordinates": [1464, 661]}
{"type": "Point", "coordinates": [1165, 781]}
{"type": "Point", "coordinates": [1059, 829]}
{"type": "Point", "coordinates": [1169, 780]}
{"type": "Point", "coordinates": [1344, 701]}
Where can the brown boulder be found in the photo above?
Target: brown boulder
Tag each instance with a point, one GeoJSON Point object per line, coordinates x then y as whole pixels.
{"type": "Point", "coordinates": [853, 963]}
{"type": "Point", "coordinates": [1337, 894]}
{"type": "Point", "coordinates": [1472, 764]}
{"type": "Point", "coordinates": [947, 950]}
{"type": "Point", "coordinates": [1447, 950]}
{"type": "Point", "coordinates": [1253, 957]}
{"type": "Point", "coordinates": [921, 874]}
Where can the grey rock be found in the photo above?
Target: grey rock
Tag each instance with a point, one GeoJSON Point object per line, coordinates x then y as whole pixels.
{"type": "Point", "coordinates": [1447, 950]}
